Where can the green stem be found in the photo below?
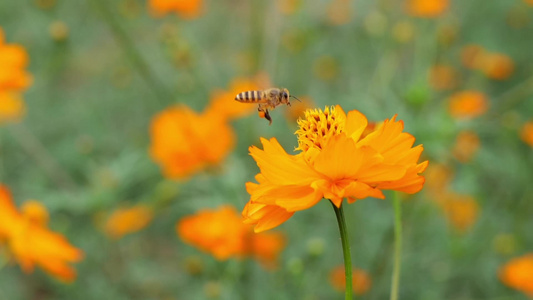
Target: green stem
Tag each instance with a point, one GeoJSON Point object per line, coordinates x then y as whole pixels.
{"type": "Point", "coordinates": [395, 286]}
{"type": "Point", "coordinates": [339, 212]}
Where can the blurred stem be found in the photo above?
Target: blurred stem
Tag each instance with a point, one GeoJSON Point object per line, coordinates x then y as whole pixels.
{"type": "Point", "coordinates": [395, 286]}
{"type": "Point", "coordinates": [130, 50]}
{"type": "Point", "coordinates": [339, 212]}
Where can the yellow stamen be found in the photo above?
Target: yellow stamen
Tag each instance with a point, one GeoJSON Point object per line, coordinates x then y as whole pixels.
{"type": "Point", "coordinates": [317, 127]}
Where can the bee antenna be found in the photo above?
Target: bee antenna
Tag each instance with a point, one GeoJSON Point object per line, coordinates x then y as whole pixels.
{"type": "Point", "coordinates": [296, 98]}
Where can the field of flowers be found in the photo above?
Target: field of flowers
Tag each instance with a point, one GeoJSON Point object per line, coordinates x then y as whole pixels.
{"type": "Point", "coordinates": [129, 171]}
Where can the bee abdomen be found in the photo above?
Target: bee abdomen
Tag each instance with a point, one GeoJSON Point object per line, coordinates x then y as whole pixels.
{"type": "Point", "coordinates": [249, 96]}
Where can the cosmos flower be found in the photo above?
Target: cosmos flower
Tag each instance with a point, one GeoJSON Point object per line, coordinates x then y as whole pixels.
{"type": "Point", "coordinates": [31, 243]}
{"type": "Point", "coordinates": [222, 233]}
{"type": "Point", "coordinates": [497, 66]}
{"type": "Point", "coordinates": [13, 62]}
{"type": "Point", "coordinates": [360, 280]}
{"type": "Point", "coordinates": [460, 210]}
{"type": "Point", "coordinates": [518, 274]}
{"type": "Point", "coordinates": [527, 133]}
{"type": "Point", "coordinates": [427, 8]}
{"type": "Point", "coordinates": [466, 146]}
{"type": "Point", "coordinates": [128, 220]}
{"type": "Point", "coordinates": [12, 107]}
{"type": "Point", "coordinates": [468, 104]}
{"type": "Point", "coordinates": [335, 162]}
{"type": "Point", "coordinates": [185, 8]}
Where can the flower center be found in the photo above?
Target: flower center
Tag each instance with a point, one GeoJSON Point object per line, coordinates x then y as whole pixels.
{"type": "Point", "coordinates": [317, 127]}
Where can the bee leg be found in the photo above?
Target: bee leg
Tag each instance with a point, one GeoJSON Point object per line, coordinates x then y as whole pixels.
{"type": "Point", "coordinates": [267, 116]}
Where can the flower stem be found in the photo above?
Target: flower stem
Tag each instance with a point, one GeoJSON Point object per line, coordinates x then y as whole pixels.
{"type": "Point", "coordinates": [395, 286]}
{"type": "Point", "coordinates": [339, 212]}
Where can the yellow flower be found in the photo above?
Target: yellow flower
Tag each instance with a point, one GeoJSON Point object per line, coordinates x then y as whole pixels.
{"type": "Point", "coordinates": [527, 133]}
{"type": "Point", "coordinates": [223, 234]}
{"type": "Point", "coordinates": [12, 107]}
{"type": "Point", "coordinates": [468, 104]}
{"type": "Point", "coordinates": [185, 142]}
{"type": "Point", "coordinates": [128, 220]}
{"type": "Point", "coordinates": [334, 163]}
{"type": "Point", "coordinates": [427, 8]}
{"type": "Point", "coordinates": [361, 282]}
{"type": "Point", "coordinates": [518, 274]}
{"type": "Point", "coordinates": [185, 8]}
{"type": "Point", "coordinates": [13, 61]}
{"type": "Point", "coordinates": [31, 243]}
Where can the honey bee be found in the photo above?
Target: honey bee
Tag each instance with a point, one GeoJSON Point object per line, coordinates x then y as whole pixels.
{"type": "Point", "coordinates": [267, 99]}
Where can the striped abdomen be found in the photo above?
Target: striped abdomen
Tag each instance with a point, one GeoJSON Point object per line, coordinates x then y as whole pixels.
{"type": "Point", "coordinates": [250, 96]}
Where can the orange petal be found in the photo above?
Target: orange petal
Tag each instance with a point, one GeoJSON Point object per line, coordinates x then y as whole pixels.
{"type": "Point", "coordinates": [264, 217]}
{"type": "Point", "coordinates": [356, 123]}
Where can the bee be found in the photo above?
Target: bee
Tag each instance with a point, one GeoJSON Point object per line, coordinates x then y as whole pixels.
{"type": "Point", "coordinates": [267, 99]}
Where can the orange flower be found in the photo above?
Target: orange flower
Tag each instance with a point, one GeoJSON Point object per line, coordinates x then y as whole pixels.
{"type": "Point", "coordinates": [438, 178]}
{"type": "Point", "coordinates": [185, 142]}
{"type": "Point", "coordinates": [466, 146]}
{"type": "Point", "coordinates": [128, 220]}
{"type": "Point", "coordinates": [13, 61]}
{"type": "Point", "coordinates": [472, 56]}
{"type": "Point", "coordinates": [334, 163]}
{"type": "Point", "coordinates": [527, 133]}
{"type": "Point", "coordinates": [361, 282]}
{"type": "Point", "coordinates": [518, 274]}
{"type": "Point", "coordinates": [530, 2]}
{"type": "Point", "coordinates": [468, 104]}
{"type": "Point", "coordinates": [461, 210]}
{"type": "Point", "coordinates": [12, 108]}
{"type": "Point", "coordinates": [31, 243]}
{"type": "Point", "coordinates": [185, 8]}
{"type": "Point", "coordinates": [427, 8]}
{"type": "Point", "coordinates": [222, 233]}
{"type": "Point", "coordinates": [339, 12]}
{"type": "Point", "coordinates": [497, 66]}
{"type": "Point", "coordinates": [288, 7]}
{"type": "Point", "coordinates": [442, 77]}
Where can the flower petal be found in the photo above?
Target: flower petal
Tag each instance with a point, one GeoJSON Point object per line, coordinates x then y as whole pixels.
{"type": "Point", "coordinates": [264, 217]}
{"type": "Point", "coordinates": [356, 123]}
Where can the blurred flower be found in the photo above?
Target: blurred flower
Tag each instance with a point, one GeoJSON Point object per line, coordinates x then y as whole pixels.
{"type": "Point", "coordinates": [466, 146]}
{"type": "Point", "coordinates": [334, 163]}
{"type": "Point", "coordinates": [31, 243]}
{"type": "Point", "coordinates": [361, 282]}
{"type": "Point", "coordinates": [438, 178]}
{"type": "Point", "coordinates": [288, 7]}
{"type": "Point", "coordinates": [518, 274]}
{"type": "Point", "coordinates": [339, 12]}
{"type": "Point", "coordinates": [58, 31]}
{"type": "Point", "coordinates": [497, 66]}
{"type": "Point", "coordinates": [326, 67]}
{"type": "Point", "coordinates": [298, 108]}
{"type": "Point", "coordinates": [530, 2]}
{"type": "Point", "coordinates": [13, 61]}
{"type": "Point", "coordinates": [443, 77]}
{"type": "Point", "coordinates": [223, 234]}
{"type": "Point", "coordinates": [471, 56]}
{"type": "Point", "coordinates": [461, 210]}
{"type": "Point", "coordinates": [128, 220]}
{"type": "Point", "coordinates": [427, 8]}
{"type": "Point", "coordinates": [467, 104]}
{"type": "Point", "coordinates": [45, 4]}
{"type": "Point", "coordinates": [184, 142]}
{"type": "Point", "coordinates": [12, 108]}
{"type": "Point", "coordinates": [184, 8]}
{"type": "Point", "coordinates": [403, 32]}
{"type": "Point", "coordinates": [376, 23]}
{"type": "Point", "coordinates": [527, 133]}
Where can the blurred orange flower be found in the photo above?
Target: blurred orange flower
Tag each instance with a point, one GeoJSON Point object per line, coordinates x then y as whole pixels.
{"type": "Point", "coordinates": [222, 233]}
{"type": "Point", "coordinates": [128, 220]}
{"type": "Point", "coordinates": [184, 142]}
{"type": "Point", "coordinates": [468, 104]}
{"type": "Point", "coordinates": [31, 243]}
{"type": "Point", "coordinates": [472, 55]}
{"type": "Point", "coordinates": [461, 210]}
{"type": "Point", "coordinates": [184, 8]}
{"type": "Point", "coordinates": [427, 8]}
{"type": "Point", "coordinates": [360, 280]}
{"type": "Point", "coordinates": [438, 178]}
{"type": "Point", "coordinates": [466, 146]}
{"type": "Point", "coordinates": [530, 2]}
{"type": "Point", "coordinates": [13, 61]}
{"type": "Point", "coordinates": [443, 77]}
{"type": "Point", "coordinates": [497, 66]}
{"type": "Point", "coordinates": [298, 108]}
{"type": "Point", "coordinates": [334, 163]}
{"type": "Point", "coordinates": [339, 12]}
{"type": "Point", "coordinates": [527, 133]}
{"type": "Point", "coordinates": [12, 107]}
{"type": "Point", "coordinates": [288, 7]}
{"type": "Point", "coordinates": [518, 274]}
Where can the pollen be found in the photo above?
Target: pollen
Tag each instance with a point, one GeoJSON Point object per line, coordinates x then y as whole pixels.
{"type": "Point", "coordinates": [317, 127]}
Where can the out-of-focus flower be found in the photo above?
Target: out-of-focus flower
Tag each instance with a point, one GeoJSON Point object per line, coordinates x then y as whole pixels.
{"type": "Point", "coordinates": [472, 56]}
{"type": "Point", "coordinates": [403, 32]}
{"type": "Point", "coordinates": [222, 233]}
{"type": "Point", "coordinates": [361, 282]}
{"type": "Point", "coordinates": [443, 77]}
{"type": "Point", "coordinates": [12, 108]}
{"type": "Point", "coordinates": [58, 31]}
{"type": "Point", "coordinates": [461, 210]}
{"type": "Point", "coordinates": [128, 220]}
{"type": "Point", "coordinates": [31, 243]}
{"type": "Point", "coordinates": [530, 2]}
{"type": "Point", "coordinates": [334, 163]}
{"type": "Point", "coordinates": [298, 108]}
{"type": "Point", "coordinates": [497, 66]}
{"type": "Point", "coordinates": [184, 8]}
{"type": "Point", "coordinates": [466, 146]}
{"type": "Point", "coordinates": [438, 178]}
{"type": "Point", "coordinates": [427, 8]}
{"type": "Point", "coordinates": [527, 133]}
{"type": "Point", "coordinates": [288, 7]}
{"type": "Point", "coordinates": [468, 104]}
{"type": "Point", "coordinates": [339, 12]}
{"type": "Point", "coordinates": [184, 142]}
{"type": "Point", "coordinates": [518, 274]}
{"type": "Point", "coordinates": [13, 62]}
{"type": "Point", "coordinates": [326, 67]}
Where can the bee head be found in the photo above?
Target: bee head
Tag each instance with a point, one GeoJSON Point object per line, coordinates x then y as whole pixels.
{"type": "Point", "coordinates": [285, 96]}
